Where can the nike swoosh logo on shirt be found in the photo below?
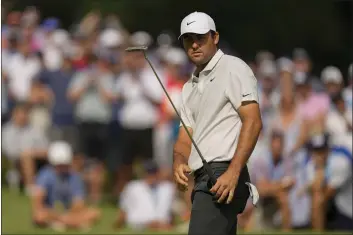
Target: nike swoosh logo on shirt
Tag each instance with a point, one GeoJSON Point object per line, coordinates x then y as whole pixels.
{"type": "Point", "coordinates": [190, 22]}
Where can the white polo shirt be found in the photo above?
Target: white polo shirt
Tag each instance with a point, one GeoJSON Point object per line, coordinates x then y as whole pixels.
{"type": "Point", "coordinates": [209, 106]}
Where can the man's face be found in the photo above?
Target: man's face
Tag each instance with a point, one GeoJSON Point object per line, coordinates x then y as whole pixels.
{"type": "Point", "coordinates": [200, 47]}
{"type": "Point", "coordinates": [333, 88]}
{"type": "Point", "coordinates": [134, 60]}
{"type": "Point", "coordinates": [62, 169]}
{"type": "Point", "coordinates": [20, 116]}
{"type": "Point", "coordinates": [302, 65]}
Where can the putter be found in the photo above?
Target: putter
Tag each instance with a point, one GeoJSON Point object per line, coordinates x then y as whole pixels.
{"type": "Point", "coordinates": [206, 166]}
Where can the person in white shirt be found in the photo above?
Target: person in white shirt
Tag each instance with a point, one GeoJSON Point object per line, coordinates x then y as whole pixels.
{"type": "Point", "coordinates": [147, 203]}
{"type": "Point", "coordinates": [21, 69]}
{"type": "Point", "coordinates": [333, 80]}
{"type": "Point", "coordinates": [339, 118]}
{"type": "Point", "coordinates": [140, 94]}
{"type": "Point", "coordinates": [220, 108]}
{"type": "Point", "coordinates": [330, 181]}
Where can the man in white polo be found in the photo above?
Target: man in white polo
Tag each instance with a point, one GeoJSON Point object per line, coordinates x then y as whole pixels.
{"type": "Point", "coordinates": [220, 108]}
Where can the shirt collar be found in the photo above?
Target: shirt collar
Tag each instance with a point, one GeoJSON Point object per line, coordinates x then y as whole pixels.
{"type": "Point", "coordinates": [211, 64]}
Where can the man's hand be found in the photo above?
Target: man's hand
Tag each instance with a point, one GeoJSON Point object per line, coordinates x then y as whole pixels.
{"type": "Point", "coordinates": [180, 176]}
{"type": "Point", "coordinates": [225, 186]}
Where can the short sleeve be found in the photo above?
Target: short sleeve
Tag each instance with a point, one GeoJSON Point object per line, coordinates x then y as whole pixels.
{"type": "Point", "coordinates": [185, 114]}
{"type": "Point", "coordinates": [43, 179]}
{"type": "Point", "coordinates": [241, 85]}
{"type": "Point", "coordinates": [339, 172]}
{"type": "Point", "coordinates": [77, 186]}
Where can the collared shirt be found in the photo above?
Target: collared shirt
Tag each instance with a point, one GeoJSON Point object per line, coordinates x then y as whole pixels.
{"type": "Point", "coordinates": [210, 103]}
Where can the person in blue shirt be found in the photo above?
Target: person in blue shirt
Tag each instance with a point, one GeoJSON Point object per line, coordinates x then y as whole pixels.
{"type": "Point", "coordinates": [57, 184]}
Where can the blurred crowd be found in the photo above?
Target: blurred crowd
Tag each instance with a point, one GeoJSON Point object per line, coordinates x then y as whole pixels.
{"type": "Point", "coordinates": [76, 100]}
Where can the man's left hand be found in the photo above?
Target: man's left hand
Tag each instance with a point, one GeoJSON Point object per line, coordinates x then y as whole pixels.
{"type": "Point", "coordinates": [225, 186]}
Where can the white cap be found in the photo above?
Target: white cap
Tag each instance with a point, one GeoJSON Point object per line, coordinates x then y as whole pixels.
{"type": "Point", "coordinates": [175, 56]}
{"type": "Point", "coordinates": [111, 38]}
{"type": "Point", "coordinates": [331, 74]}
{"type": "Point", "coordinates": [198, 23]}
{"type": "Point", "coordinates": [285, 64]}
{"type": "Point", "coordinates": [141, 38]}
{"type": "Point", "coordinates": [60, 153]}
{"type": "Point", "coordinates": [267, 69]}
{"type": "Point", "coordinates": [60, 37]}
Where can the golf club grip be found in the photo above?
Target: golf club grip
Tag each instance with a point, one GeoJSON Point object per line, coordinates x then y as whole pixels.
{"type": "Point", "coordinates": [175, 109]}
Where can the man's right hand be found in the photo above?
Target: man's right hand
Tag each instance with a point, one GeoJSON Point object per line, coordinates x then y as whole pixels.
{"type": "Point", "coordinates": [180, 176]}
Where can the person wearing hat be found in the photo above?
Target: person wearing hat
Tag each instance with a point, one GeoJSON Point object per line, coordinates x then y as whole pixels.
{"type": "Point", "coordinates": [312, 107]}
{"type": "Point", "coordinates": [220, 109]}
{"type": "Point", "coordinates": [332, 78]}
{"type": "Point", "coordinates": [58, 184]}
{"type": "Point", "coordinates": [274, 178]}
{"type": "Point", "coordinates": [147, 203]}
{"type": "Point", "coordinates": [329, 174]}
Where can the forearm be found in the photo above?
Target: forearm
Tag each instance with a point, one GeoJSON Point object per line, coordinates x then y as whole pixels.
{"type": "Point", "coordinates": [106, 95]}
{"type": "Point", "coordinates": [75, 94]}
{"type": "Point", "coordinates": [248, 137]}
{"type": "Point", "coordinates": [181, 153]}
{"type": "Point", "coordinates": [267, 189]}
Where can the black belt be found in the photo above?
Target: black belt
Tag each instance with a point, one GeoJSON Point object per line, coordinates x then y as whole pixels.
{"type": "Point", "coordinates": [213, 165]}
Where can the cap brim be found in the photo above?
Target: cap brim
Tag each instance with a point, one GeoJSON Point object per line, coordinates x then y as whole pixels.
{"type": "Point", "coordinates": [199, 31]}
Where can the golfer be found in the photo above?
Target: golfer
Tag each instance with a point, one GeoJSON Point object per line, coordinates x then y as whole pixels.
{"type": "Point", "coordinates": [220, 107]}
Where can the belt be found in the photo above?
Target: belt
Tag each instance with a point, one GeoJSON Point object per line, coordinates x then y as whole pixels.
{"type": "Point", "coordinates": [199, 172]}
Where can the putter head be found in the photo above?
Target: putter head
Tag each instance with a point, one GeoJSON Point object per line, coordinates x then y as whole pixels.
{"type": "Point", "coordinates": [139, 48]}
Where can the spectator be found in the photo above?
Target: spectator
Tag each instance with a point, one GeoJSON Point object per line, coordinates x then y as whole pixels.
{"type": "Point", "coordinates": [92, 93]}
{"type": "Point", "coordinates": [21, 69]}
{"type": "Point", "coordinates": [303, 64]}
{"type": "Point", "coordinates": [141, 95]}
{"type": "Point", "coordinates": [58, 183]}
{"type": "Point", "coordinates": [24, 145]}
{"type": "Point", "coordinates": [339, 120]}
{"type": "Point", "coordinates": [330, 181]}
{"type": "Point", "coordinates": [268, 96]}
{"type": "Point", "coordinates": [313, 108]}
{"type": "Point", "coordinates": [274, 180]}
{"type": "Point", "coordinates": [154, 209]}
{"type": "Point", "coordinates": [333, 80]}
{"type": "Point", "coordinates": [57, 82]}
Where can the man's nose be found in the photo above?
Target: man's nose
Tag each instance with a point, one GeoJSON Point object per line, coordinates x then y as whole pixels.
{"type": "Point", "coordinates": [195, 45]}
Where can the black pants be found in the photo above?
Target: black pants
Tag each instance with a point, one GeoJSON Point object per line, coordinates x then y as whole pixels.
{"type": "Point", "coordinates": [210, 217]}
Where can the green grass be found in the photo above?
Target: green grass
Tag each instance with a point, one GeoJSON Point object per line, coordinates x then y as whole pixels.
{"type": "Point", "coordinates": [16, 219]}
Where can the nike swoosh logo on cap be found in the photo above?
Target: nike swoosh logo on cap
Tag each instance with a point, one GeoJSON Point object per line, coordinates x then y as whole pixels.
{"type": "Point", "coordinates": [188, 23]}
{"type": "Point", "coordinates": [246, 95]}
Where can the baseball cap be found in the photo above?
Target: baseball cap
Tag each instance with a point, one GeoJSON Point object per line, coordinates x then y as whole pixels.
{"type": "Point", "coordinates": [331, 74]}
{"type": "Point", "coordinates": [300, 54]}
{"type": "Point", "coordinates": [60, 153]}
{"type": "Point", "coordinates": [175, 56]}
{"type": "Point", "coordinates": [319, 141]}
{"type": "Point", "coordinates": [111, 38]}
{"type": "Point", "coordinates": [267, 69]}
{"type": "Point", "coordinates": [141, 38]}
{"type": "Point", "coordinates": [198, 23]}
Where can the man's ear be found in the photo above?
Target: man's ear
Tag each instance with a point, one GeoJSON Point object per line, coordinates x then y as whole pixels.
{"type": "Point", "coordinates": [216, 38]}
